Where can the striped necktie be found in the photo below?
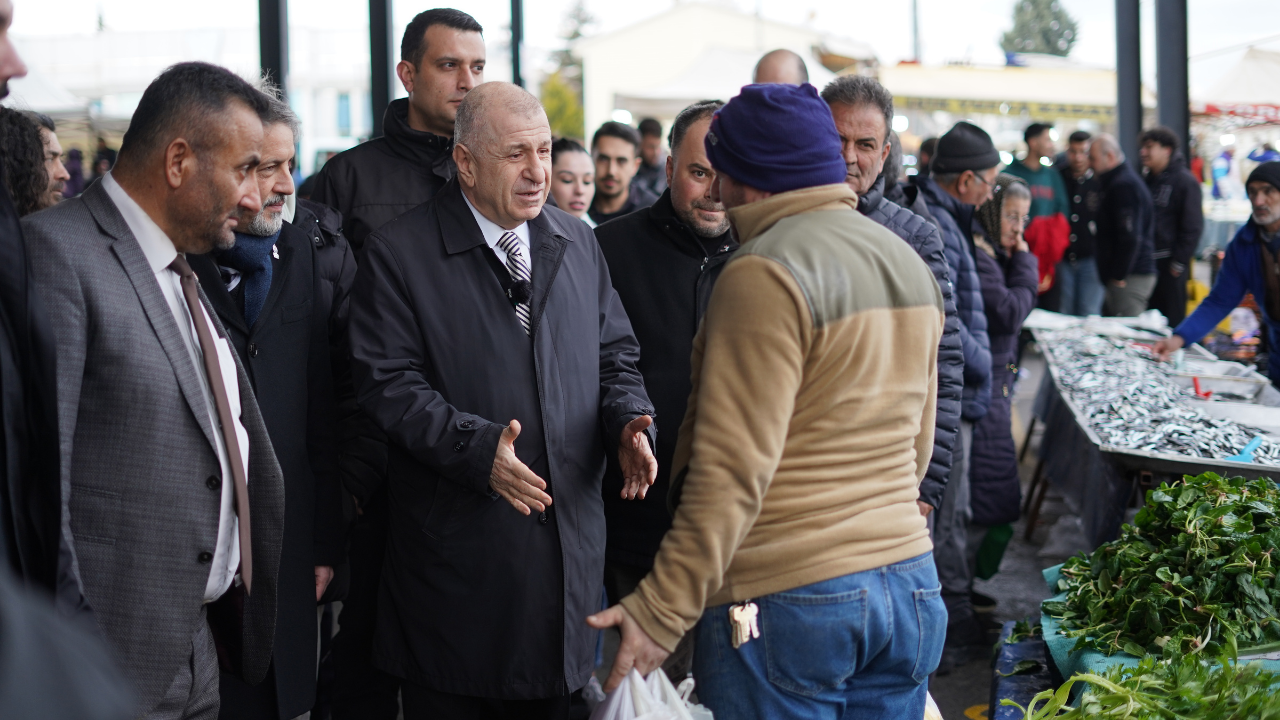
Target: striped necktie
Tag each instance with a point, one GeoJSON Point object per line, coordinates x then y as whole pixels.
{"type": "Point", "coordinates": [519, 270]}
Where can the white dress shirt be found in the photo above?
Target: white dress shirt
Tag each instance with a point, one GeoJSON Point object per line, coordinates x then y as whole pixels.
{"type": "Point", "coordinates": [160, 252]}
{"type": "Point", "coordinates": [493, 233]}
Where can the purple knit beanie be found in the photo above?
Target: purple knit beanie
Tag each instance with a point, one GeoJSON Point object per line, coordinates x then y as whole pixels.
{"type": "Point", "coordinates": [776, 138]}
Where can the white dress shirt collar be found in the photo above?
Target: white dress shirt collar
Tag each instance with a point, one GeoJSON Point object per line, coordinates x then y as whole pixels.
{"type": "Point", "coordinates": [155, 244]}
{"type": "Point", "coordinates": [493, 232]}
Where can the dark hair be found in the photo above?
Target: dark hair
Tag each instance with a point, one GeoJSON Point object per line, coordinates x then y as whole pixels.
{"type": "Point", "coordinates": [414, 43]}
{"type": "Point", "coordinates": [616, 130]}
{"type": "Point", "coordinates": [566, 145]}
{"type": "Point", "coordinates": [42, 120]}
{"type": "Point", "coordinates": [22, 154]}
{"type": "Point", "coordinates": [929, 146]}
{"type": "Point", "coordinates": [1035, 130]}
{"type": "Point", "coordinates": [857, 90]}
{"type": "Point", "coordinates": [187, 100]}
{"type": "Point", "coordinates": [649, 127]}
{"type": "Point", "coordinates": [1079, 136]}
{"type": "Point", "coordinates": [687, 117]}
{"type": "Point", "coordinates": [1159, 134]}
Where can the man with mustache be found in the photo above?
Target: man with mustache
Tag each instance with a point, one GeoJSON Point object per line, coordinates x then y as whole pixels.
{"type": "Point", "coordinates": [664, 261]}
{"type": "Point", "coordinates": [616, 150]}
{"type": "Point", "coordinates": [490, 346]}
{"type": "Point", "coordinates": [53, 167]}
{"type": "Point", "coordinates": [282, 293]}
{"type": "Point", "coordinates": [171, 490]}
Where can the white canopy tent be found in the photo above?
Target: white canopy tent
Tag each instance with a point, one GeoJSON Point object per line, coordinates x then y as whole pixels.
{"type": "Point", "coordinates": [1250, 90]}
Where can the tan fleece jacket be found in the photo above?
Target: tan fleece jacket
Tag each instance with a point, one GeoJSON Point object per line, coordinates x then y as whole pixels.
{"type": "Point", "coordinates": [803, 442]}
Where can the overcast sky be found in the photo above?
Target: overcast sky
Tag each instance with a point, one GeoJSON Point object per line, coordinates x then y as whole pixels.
{"type": "Point", "coordinates": [950, 30]}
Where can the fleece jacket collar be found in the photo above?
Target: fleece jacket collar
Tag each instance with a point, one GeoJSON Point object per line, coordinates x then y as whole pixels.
{"type": "Point", "coordinates": [756, 218]}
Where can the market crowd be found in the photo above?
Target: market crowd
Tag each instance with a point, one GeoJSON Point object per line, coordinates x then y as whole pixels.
{"type": "Point", "coordinates": [748, 400]}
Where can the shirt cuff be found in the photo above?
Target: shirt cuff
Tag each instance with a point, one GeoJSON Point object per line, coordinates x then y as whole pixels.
{"type": "Point", "coordinates": [649, 621]}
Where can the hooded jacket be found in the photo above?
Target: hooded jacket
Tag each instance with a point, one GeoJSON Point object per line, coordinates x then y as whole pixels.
{"type": "Point", "coordinates": [664, 275]}
{"type": "Point", "coordinates": [956, 219]}
{"type": "Point", "coordinates": [1179, 214]}
{"type": "Point", "coordinates": [1124, 225]}
{"type": "Point", "coordinates": [380, 180]}
{"type": "Point", "coordinates": [926, 240]}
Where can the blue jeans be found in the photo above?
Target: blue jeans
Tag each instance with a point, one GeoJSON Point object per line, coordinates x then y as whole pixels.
{"type": "Point", "coordinates": [1080, 289]}
{"type": "Point", "coordinates": [852, 647]}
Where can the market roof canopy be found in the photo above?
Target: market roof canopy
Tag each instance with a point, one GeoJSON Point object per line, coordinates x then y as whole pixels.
{"type": "Point", "coordinates": [1051, 92]}
{"type": "Point", "coordinates": [717, 74]}
{"type": "Point", "coordinates": [1250, 89]}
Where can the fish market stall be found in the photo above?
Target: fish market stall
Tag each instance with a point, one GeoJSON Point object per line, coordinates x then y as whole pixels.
{"type": "Point", "coordinates": [1117, 421]}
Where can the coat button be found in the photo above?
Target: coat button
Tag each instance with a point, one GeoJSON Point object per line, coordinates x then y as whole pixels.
{"type": "Point", "coordinates": [459, 447]}
{"type": "Point", "coordinates": [542, 517]}
{"type": "Point", "coordinates": [253, 350]}
{"type": "Point", "coordinates": [205, 557]}
{"type": "Point", "coordinates": [467, 424]}
{"type": "Point", "coordinates": [1075, 218]}
{"type": "Point", "coordinates": [214, 482]}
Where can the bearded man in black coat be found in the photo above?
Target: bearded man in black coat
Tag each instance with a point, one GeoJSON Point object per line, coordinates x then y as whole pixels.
{"type": "Point", "coordinates": [490, 346]}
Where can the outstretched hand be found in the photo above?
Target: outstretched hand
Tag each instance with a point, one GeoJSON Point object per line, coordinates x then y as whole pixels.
{"type": "Point", "coordinates": [513, 480]}
{"type": "Point", "coordinates": [635, 457]}
{"type": "Point", "coordinates": [637, 650]}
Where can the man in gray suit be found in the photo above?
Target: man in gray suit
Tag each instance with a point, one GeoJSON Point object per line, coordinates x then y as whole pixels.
{"type": "Point", "coordinates": [172, 494]}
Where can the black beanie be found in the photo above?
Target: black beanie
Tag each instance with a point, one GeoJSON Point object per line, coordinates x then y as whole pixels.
{"type": "Point", "coordinates": [964, 147]}
{"type": "Point", "coordinates": [1267, 172]}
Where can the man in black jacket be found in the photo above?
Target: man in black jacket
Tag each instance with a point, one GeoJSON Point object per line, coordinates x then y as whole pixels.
{"type": "Point", "coordinates": [1179, 220]}
{"type": "Point", "coordinates": [441, 58]}
{"type": "Point", "coordinates": [1125, 261]}
{"type": "Point", "coordinates": [490, 346]}
{"type": "Point", "coordinates": [615, 148]}
{"type": "Point", "coordinates": [664, 261]}
{"type": "Point", "coordinates": [281, 292]}
{"type": "Point", "coordinates": [1076, 278]}
{"type": "Point", "coordinates": [863, 112]}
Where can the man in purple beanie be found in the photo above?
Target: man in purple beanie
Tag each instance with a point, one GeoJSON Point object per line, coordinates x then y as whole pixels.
{"type": "Point", "coordinates": [797, 549]}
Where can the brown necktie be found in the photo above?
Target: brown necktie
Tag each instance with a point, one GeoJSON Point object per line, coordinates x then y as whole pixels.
{"type": "Point", "coordinates": [190, 290]}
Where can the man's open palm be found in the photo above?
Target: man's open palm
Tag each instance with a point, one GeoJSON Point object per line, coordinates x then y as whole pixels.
{"type": "Point", "coordinates": [639, 466]}
{"type": "Point", "coordinates": [513, 480]}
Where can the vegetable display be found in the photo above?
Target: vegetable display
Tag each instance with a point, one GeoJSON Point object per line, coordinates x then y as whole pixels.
{"type": "Point", "coordinates": [1194, 574]}
{"type": "Point", "coordinates": [1184, 687]}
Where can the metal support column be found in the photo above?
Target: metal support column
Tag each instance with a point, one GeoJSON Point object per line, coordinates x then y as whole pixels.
{"type": "Point", "coordinates": [381, 75]}
{"type": "Point", "coordinates": [1128, 78]}
{"type": "Point", "coordinates": [273, 40]}
{"type": "Point", "coordinates": [517, 39]}
{"type": "Point", "coordinates": [1171, 69]}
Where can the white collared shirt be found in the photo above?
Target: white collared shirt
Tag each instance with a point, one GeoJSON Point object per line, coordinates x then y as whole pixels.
{"type": "Point", "coordinates": [493, 233]}
{"type": "Point", "coordinates": [160, 252]}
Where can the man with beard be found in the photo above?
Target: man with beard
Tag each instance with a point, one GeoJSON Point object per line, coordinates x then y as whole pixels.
{"type": "Point", "coordinates": [863, 112]}
{"type": "Point", "coordinates": [282, 294]}
{"type": "Point", "coordinates": [664, 261]}
{"type": "Point", "coordinates": [616, 150]}
{"type": "Point", "coordinates": [53, 167]}
{"type": "Point", "coordinates": [171, 491]}
{"type": "Point", "coordinates": [1249, 266]}
{"type": "Point", "coordinates": [489, 345]}
{"type": "Point", "coordinates": [442, 57]}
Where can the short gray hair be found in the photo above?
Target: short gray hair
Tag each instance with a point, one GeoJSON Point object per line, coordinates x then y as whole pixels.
{"type": "Point", "coordinates": [686, 118]}
{"type": "Point", "coordinates": [278, 110]}
{"type": "Point", "coordinates": [857, 90]}
{"type": "Point", "coordinates": [1109, 145]}
{"type": "Point", "coordinates": [471, 121]}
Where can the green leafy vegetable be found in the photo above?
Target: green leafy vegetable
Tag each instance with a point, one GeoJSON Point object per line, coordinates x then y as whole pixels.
{"type": "Point", "coordinates": [1022, 630]}
{"type": "Point", "coordinates": [1195, 573]}
{"type": "Point", "coordinates": [1158, 689]}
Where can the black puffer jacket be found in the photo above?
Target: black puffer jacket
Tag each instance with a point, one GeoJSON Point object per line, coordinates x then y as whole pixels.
{"type": "Point", "coordinates": [924, 238]}
{"type": "Point", "coordinates": [1179, 214]}
{"type": "Point", "coordinates": [375, 182]}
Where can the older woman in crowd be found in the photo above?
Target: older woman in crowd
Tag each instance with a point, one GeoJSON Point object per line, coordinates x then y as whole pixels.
{"type": "Point", "coordinates": [1008, 273]}
{"type": "Point", "coordinates": [573, 178]}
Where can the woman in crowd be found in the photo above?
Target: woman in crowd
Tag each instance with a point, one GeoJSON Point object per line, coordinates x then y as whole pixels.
{"type": "Point", "coordinates": [573, 175]}
{"type": "Point", "coordinates": [1008, 274]}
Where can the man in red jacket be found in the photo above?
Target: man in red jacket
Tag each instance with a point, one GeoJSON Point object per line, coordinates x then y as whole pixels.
{"type": "Point", "coordinates": [1048, 232]}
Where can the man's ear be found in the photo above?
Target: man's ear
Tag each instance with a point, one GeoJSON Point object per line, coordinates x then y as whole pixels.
{"type": "Point", "coordinates": [466, 165]}
{"type": "Point", "coordinates": [405, 71]}
{"type": "Point", "coordinates": [179, 162]}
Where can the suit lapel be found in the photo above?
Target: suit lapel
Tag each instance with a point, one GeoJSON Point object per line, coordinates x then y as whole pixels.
{"type": "Point", "coordinates": [135, 265]}
{"type": "Point", "coordinates": [220, 300]}
{"type": "Point", "coordinates": [547, 247]}
{"type": "Point", "coordinates": [279, 276]}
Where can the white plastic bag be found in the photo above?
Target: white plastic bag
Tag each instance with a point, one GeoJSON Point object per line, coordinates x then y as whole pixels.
{"type": "Point", "coordinates": [654, 699]}
{"type": "Point", "coordinates": [931, 711]}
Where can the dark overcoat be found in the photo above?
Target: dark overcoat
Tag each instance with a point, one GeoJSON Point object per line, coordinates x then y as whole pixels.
{"type": "Point", "coordinates": [476, 598]}
{"type": "Point", "coordinates": [287, 356]}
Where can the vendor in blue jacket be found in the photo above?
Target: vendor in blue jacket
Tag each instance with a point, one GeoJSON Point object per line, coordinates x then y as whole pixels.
{"type": "Point", "coordinates": [1251, 265]}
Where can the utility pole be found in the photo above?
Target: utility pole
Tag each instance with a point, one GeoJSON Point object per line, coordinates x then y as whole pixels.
{"type": "Point", "coordinates": [915, 29]}
{"type": "Point", "coordinates": [517, 39]}
{"type": "Point", "coordinates": [379, 62]}
{"type": "Point", "coordinates": [1171, 70]}
{"type": "Point", "coordinates": [1129, 77]}
{"type": "Point", "coordinates": [273, 40]}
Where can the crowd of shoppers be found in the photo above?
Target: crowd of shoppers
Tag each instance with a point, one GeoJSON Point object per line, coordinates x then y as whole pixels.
{"type": "Point", "coordinates": [498, 391]}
